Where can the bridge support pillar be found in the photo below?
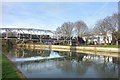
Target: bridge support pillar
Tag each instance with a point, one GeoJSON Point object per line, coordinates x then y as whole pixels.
{"type": "Point", "coordinates": [30, 35]}
{"type": "Point", "coordinates": [6, 34]}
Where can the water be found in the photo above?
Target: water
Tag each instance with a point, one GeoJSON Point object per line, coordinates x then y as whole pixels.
{"type": "Point", "coordinates": [60, 64]}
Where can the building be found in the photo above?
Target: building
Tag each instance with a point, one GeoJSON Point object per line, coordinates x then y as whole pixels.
{"type": "Point", "coordinates": [99, 38]}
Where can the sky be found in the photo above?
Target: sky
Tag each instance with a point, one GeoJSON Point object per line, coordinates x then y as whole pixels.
{"type": "Point", "coordinates": [50, 15]}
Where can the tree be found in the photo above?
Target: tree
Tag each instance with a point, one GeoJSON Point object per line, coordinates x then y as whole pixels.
{"type": "Point", "coordinates": [58, 32]}
{"type": "Point", "coordinates": [106, 23]}
{"type": "Point", "coordinates": [112, 24]}
{"type": "Point", "coordinates": [4, 35]}
{"type": "Point", "coordinates": [109, 24]}
{"type": "Point", "coordinates": [67, 29]}
{"type": "Point", "coordinates": [80, 28]}
{"type": "Point", "coordinates": [10, 34]}
{"type": "Point", "coordinates": [87, 35]}
{"type": "Point", "coordinates": [102, 28]}
{"type": "Point", "coordinates": [114, 27]}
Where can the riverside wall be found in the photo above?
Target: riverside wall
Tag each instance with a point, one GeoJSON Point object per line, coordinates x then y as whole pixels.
{"type": "Point", "coordinates": [68, 48]}
{"type": "Point", "coordinates": [104, 51]}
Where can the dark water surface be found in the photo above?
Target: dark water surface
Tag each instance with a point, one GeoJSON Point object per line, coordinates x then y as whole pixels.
{"type": "Point", "coordinates": [60, 64]}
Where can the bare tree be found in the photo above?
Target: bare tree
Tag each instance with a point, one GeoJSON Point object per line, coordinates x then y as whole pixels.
{"type": "Point", "coordinates": [67, 29]}
{"type": "Point", "coordinates": [12, 34]}
{"type": "Point", "coordinates": [4, 34]}
{"type": "Point", "coordinates": [58, 32]}
{"type": "Point", "coordinates": [87, 35]}
{"type": "Point", "coordinates": [106, 24]}
{"type": "Point", "coordinates": [101, 28]}
{"type": "Point", "coordinates": [109, 24]}
{"type": "Point", "coordinates": [114, 27]}
{"type": "Point", "coordinates": [80, 28]}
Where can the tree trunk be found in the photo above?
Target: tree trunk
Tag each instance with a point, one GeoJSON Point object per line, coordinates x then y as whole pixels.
{"type": "Point", "coordinates": [112, 43]}
{"type": "Point", "coordinates": [86, 42]}
{"type": "Point", "coordinates": [108, 42]}
{"type": "Point", "coordinates": [116, 42]}
{"type": "Point", "coordinates": [104, 41]}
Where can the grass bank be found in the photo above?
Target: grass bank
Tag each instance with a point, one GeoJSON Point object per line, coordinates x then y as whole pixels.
{"type": "Point", "coordinates": [7, 70]}
{"type": "Point", "coordinates": [111, 46]}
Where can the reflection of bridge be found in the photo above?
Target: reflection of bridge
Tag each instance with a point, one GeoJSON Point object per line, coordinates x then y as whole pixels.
{"type": "Point", "coordinates": [33, 58]}
{"type": "Point", "coordinates": [68, 55]}
{"type": "Point", "coordinates": [23, 31]}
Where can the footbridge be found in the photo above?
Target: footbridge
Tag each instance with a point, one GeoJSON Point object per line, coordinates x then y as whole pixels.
{"type": "Point", "coordinates": [25, 33]}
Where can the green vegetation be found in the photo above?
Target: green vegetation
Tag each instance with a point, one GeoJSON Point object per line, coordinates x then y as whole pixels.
{"type": "Point", "coordinates": [7, 70]}
{"type": "Point", "coordinates": [112, 46]}
{"type": "Point", "coordinates": [0, 66]}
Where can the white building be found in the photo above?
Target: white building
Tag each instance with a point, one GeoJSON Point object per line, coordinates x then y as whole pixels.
{"type": "Point", "coordinates": [98, 38]}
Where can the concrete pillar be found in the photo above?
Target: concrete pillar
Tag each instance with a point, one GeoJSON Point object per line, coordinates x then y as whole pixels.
{"type": "Point", "coordinates": [6, 34]}
{"type": "Point", "coordinates": [30, 36]}
{"type": "Point", "coordinates": [18, 35]}
{"type": "Point", "coordinates": [40, 37]}
{"type": "Point", "coordinates": [70, 41]}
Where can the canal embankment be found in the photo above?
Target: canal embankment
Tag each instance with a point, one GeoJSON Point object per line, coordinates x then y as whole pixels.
{"type": "Point", "coordinates": [10, 71]}
{"type": "Point", "coordinates": [105, 51]}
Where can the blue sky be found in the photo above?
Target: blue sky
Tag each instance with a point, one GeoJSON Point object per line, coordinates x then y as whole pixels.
{"type": "Point", "coordinates": [50, 15]}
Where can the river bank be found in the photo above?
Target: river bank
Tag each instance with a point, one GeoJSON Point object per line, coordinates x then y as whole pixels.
{"type": "Point", "coordinates": [92, 48]}
{"type": "Point", "coordinates": [113, 52]}
{"type": "Point", "coordinates": [10, 71]}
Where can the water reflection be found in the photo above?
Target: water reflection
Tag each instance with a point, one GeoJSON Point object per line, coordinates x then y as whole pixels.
{"type": "Point", "coordinates": [24, 56]}
{"type": "Point", "coordinates": [66, 67]}
{"type": "Point", "coordinates": [59, 64]}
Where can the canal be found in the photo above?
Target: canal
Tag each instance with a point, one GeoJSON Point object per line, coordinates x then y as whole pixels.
{"type": "Point", "coordinates": [60, 64]}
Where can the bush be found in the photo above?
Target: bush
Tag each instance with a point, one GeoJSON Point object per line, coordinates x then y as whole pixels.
{"type": "Point", "coordinates": [53, 43]}
{"type": "Point", "coordinates": [90, 43]}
